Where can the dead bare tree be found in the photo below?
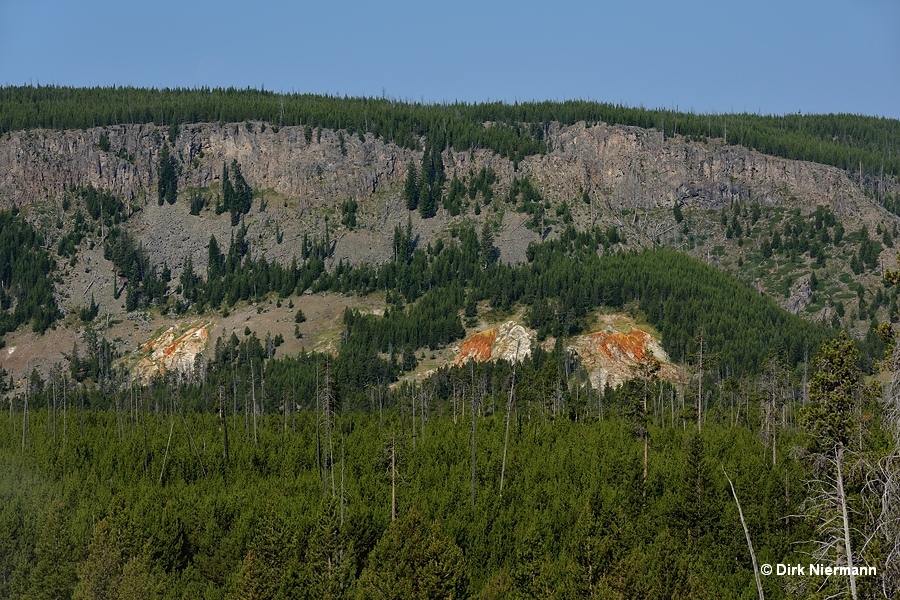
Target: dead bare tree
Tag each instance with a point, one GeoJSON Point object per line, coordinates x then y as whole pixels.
{"type": "Point", "coordinates": [646, 370]}
{"type": "Point", "coordinates": [54, 375]}
{"type": "Point", "coordinates": [319, 460]}
{"type": "Point", "coordinates": [830, 419]}
{"type": "Point", "coordinates": [774, 401]}
{"type": "Point", "coordinates": [162, 470]}
{"type": "Point", "coordinates": [509, 405]}
{"type": "Point", "coordinates": [25, 418]}
{"type": "Point", "coordinates": [700, 386]}
{"type": "Point", "coordinates": [253, 393]}
{"type": "Point", "coordinates": [759, 587]}
{"type": "Point", "coordinates": [65, 408]}
{"type": "Point", "coordinates": [474, 414]}
{"type": "Point", "coordinates": [827, 502]}
{"type": "Point", "coordinates": [224, 420]}
{"type": "Point", "coordinates": [393, 477]}
{"type": "Point", "coordinates": [882, 490]}
{"type": "Point", "coordinates": [328, 403]}
{"type": "Point", "coordinates": [882, 501]}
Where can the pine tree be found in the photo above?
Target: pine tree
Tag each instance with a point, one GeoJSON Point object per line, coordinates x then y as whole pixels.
{"type": "Point", "coordinates": [100, 573]}
{"type": "Point", "coordinates": [270, 561]}
{"type": "Point", "coordinates": [189, 280]}
{"type": "Point", "coordinates": [830, 417]}
{"type": "Point", "coordinates": [428, 202]}
{"type": "Point", "coordinates": [54, 574]}
{"type": "Point", "coordinates": [330, 561]}
{"type": "Point", "coordinates": [411, 187]}
{"type": "Point", "coordinates": [413, 560]}
{"type": "Point", "coordinates": [167, 177]}
{"type": "Point", "coordinates": [488, 251]}
{"type": "Point", "coordinates": [227, 192]}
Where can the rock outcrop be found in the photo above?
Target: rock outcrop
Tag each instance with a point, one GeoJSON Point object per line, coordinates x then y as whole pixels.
{"type": "Point", "coordinates": [41, 164]}
{"type": "Point", "coordinates": [175, 350]}
{"type": "Point", "coordinates": [611, 357]}
{"type": "Point", "coordinates": [507, 341]}
{"type": "Point", "coordinates": [620, 167]}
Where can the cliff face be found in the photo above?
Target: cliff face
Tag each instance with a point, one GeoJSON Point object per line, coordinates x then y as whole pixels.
{"type": "Point", "coordinates": [635, 168]}
{"type": "Point", "coordinates": [42, 164]}
{"type": "Point", "coordinates": [621, 167]}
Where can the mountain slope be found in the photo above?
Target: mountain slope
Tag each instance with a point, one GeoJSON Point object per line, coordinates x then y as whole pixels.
{"type": "Point", "coordinates": [814, 237]}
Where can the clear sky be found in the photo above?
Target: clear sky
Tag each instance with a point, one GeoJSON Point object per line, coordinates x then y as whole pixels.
{"type": "Point", "coordinates": [767, 56]}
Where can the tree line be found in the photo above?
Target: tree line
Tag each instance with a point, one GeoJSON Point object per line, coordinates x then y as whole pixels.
{"type": "Point", "coordinates": [864, 145]}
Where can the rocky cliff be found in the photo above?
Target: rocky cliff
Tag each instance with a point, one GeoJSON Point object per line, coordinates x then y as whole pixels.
{"type": "Point", "coordinates": [620, 167]}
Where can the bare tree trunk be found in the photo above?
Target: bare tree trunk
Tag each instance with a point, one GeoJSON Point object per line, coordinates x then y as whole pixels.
{"type": "Point", "coordinates": [144, 429]}
{"type": "Point", "coordinates": [166, 455]}
{"type": "Point", "coordinates": [747, 535]}
{"type": "Point", "coordinates": [329, 424]}
{"type": "Point", "coordinates": [599, 402]}
{"type": "Point", "coordinates": [393, 477]}
{"type": "Point", "coordinates": [774, 438]}
{"type": "Point", "coordinates": [187, 430]}
{"type": "Point", "coordinates": [700, 387]}
{"type": "Point", "coordinates": [224, 420]}
{"type": "Point", "coordinates": [25, 418]}
{"type": "Point", "coordinates": [846, 521]}
{"type": "Point", "coordinates": [65, 406]}
{"type": "Point", "coordinates": [646, 435]}
{"type": "Point", "coordinates": [253, 393]}
{"type": "Point", "coordinates": [473, 445]}
{"type": "Point", "coordinates": [53, 382]}
{"type": "Point", "coordinates": [286, 406]}
{"type": "Point", "coordinates": [646, 452]}
{"type": "Point", "coordinates": [509, 404]}
{"type": "Point", "coordinates": [319, 462]}
{"type": "Point", "coordinates": [118, 417]}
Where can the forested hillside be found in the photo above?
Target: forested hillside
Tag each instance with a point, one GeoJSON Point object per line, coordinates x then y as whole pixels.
{"type": "Point", "coordinates": [325, 443]}
{"type": "Point", "coordinates": [272, 478]}
{"type": "Point", "coordinates": [26, 284]}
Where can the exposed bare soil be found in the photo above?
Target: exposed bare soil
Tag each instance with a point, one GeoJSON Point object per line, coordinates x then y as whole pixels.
{"type": "Point", "coordinates": [611, 355]}
{"type": "Point", "coordinates": [176, 341]}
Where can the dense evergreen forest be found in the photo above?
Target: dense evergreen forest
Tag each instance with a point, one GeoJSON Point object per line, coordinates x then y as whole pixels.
{"type": "Point", "coordinates": [259, 478]}
{"type": "Point", "coordinates": [256, 475]}
{"type": "Point", "coordinates": [26, 285]}
{"type": "Point", "coordinates": [321, 477]}
{"type": "Point", "coordinates": [867, 145]}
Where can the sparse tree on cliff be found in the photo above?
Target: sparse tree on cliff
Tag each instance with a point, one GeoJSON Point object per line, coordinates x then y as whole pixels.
{"type": "Point", "coordinates": [167, 182]}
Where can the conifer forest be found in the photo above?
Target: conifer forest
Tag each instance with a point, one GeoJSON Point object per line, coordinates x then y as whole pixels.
{"type": "Point", "coordinates": [372, 468]}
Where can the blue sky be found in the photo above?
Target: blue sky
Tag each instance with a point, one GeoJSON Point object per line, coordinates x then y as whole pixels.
{"type": "Point", "coordinates": [766, 56]}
